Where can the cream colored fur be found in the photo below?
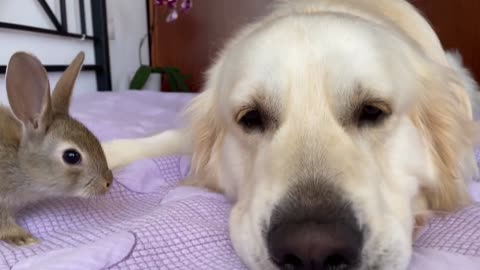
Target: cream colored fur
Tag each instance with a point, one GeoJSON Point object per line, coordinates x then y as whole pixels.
{"type": "Point", "coordinates": [306, 62]}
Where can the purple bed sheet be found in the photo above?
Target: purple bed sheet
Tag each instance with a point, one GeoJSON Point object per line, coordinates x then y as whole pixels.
{"type": "Point", "coordinates": [148, 222]}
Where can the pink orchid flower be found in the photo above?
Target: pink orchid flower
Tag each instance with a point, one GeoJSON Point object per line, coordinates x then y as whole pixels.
{"type": "Point", "coordinates": [172, 6]}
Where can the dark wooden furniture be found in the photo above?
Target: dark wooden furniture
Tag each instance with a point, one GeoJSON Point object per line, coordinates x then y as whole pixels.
{"type": "Point", "coordinates": [457, 23]}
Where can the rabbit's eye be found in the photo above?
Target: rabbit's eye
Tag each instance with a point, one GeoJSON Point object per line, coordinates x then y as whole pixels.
{"type": "Point", "coordinates": [72, 157]}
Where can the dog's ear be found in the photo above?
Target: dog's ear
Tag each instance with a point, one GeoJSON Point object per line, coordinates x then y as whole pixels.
{"type": "Point", "coordinates": [443, 115]}
{"type": "Point", "coordinates": [207, 135]}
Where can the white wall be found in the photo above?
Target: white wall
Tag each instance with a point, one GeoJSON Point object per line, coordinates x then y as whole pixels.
{"type": "Point", "coordinates": [49, 49]}
{"type": "Point", "coordinates": [127, 26]}
{"type": "Point", "coordinates": [127, 22]}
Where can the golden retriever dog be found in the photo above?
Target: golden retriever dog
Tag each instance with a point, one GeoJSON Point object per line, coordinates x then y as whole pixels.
{"type": "Point", "coordinates": [336, 127]}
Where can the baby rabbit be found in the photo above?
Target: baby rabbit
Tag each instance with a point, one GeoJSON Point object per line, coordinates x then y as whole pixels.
{"type": "Point", "coordinates": [43, 151]}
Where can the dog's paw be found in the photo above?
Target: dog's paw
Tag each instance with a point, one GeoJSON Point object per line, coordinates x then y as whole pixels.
{"type": "Point", "coordinates": [117, 153]}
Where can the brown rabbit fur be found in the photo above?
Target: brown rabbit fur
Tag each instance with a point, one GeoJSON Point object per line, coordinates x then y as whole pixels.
{"type": "Point", "coordinates": [43, 151]}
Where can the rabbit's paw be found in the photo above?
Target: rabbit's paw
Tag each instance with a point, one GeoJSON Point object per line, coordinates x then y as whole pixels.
{"type": "Point", "coordinates": [15, 235]}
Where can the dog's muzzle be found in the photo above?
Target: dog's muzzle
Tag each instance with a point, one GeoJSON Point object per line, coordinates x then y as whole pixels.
{"type": "Point", "coordinates": [313, 227]}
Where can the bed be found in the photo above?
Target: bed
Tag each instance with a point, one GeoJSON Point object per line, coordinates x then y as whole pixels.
{"type": "Point", "coordinates": [147, 221]}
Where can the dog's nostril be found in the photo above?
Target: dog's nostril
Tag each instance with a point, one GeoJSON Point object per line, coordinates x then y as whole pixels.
{"type": "Point", "coordinates": [336, 261]}
{"type": "Point", "coordinates": [333, 262]}
{"type": "Point", "coordinates": [290, 261]}
{"type": "Point", "coordinates": [314, 246]}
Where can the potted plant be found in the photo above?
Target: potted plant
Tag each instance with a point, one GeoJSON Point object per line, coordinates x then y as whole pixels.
{"type": "Point", "coordinates": [171, 75]}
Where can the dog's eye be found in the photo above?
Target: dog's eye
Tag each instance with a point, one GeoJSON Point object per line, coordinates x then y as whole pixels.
{"type": "Point", "coordinates": [252, 120]}
{"type": "Point", "coordinates": [371, 114]}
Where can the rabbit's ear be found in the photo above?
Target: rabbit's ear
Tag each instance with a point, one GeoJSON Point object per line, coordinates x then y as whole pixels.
{"type": "Point", "coordinates": [28, 90]}
{"type": "Point", "coordinates": [63, 90]}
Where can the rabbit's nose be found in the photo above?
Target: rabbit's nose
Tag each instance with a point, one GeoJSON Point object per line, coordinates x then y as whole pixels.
{"type": "Point", "coordinates": [108, 179]}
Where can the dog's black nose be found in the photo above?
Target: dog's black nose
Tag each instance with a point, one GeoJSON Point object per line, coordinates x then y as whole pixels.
{"type": "Point", "coordinates": [309, 245]}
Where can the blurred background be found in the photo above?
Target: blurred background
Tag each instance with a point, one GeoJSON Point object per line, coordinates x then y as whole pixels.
{"type": "Point", "coordinates": [132, 44]}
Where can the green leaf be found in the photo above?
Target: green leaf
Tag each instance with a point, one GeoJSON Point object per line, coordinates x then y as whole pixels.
{"type": "Point", "coordinates": [172, 82]}
{"type": "Point", "coordinates": [140, 78]}
{"type": "Point", "coordinates": [158, 70]}
{"type": "Point", "coordinates": [182, 86]}
{"type": "Point", "coordinates": [175, 79]}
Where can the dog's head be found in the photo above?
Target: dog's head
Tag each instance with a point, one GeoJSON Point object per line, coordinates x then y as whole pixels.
{"type": "Point", "coordinates": [331, 134]}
